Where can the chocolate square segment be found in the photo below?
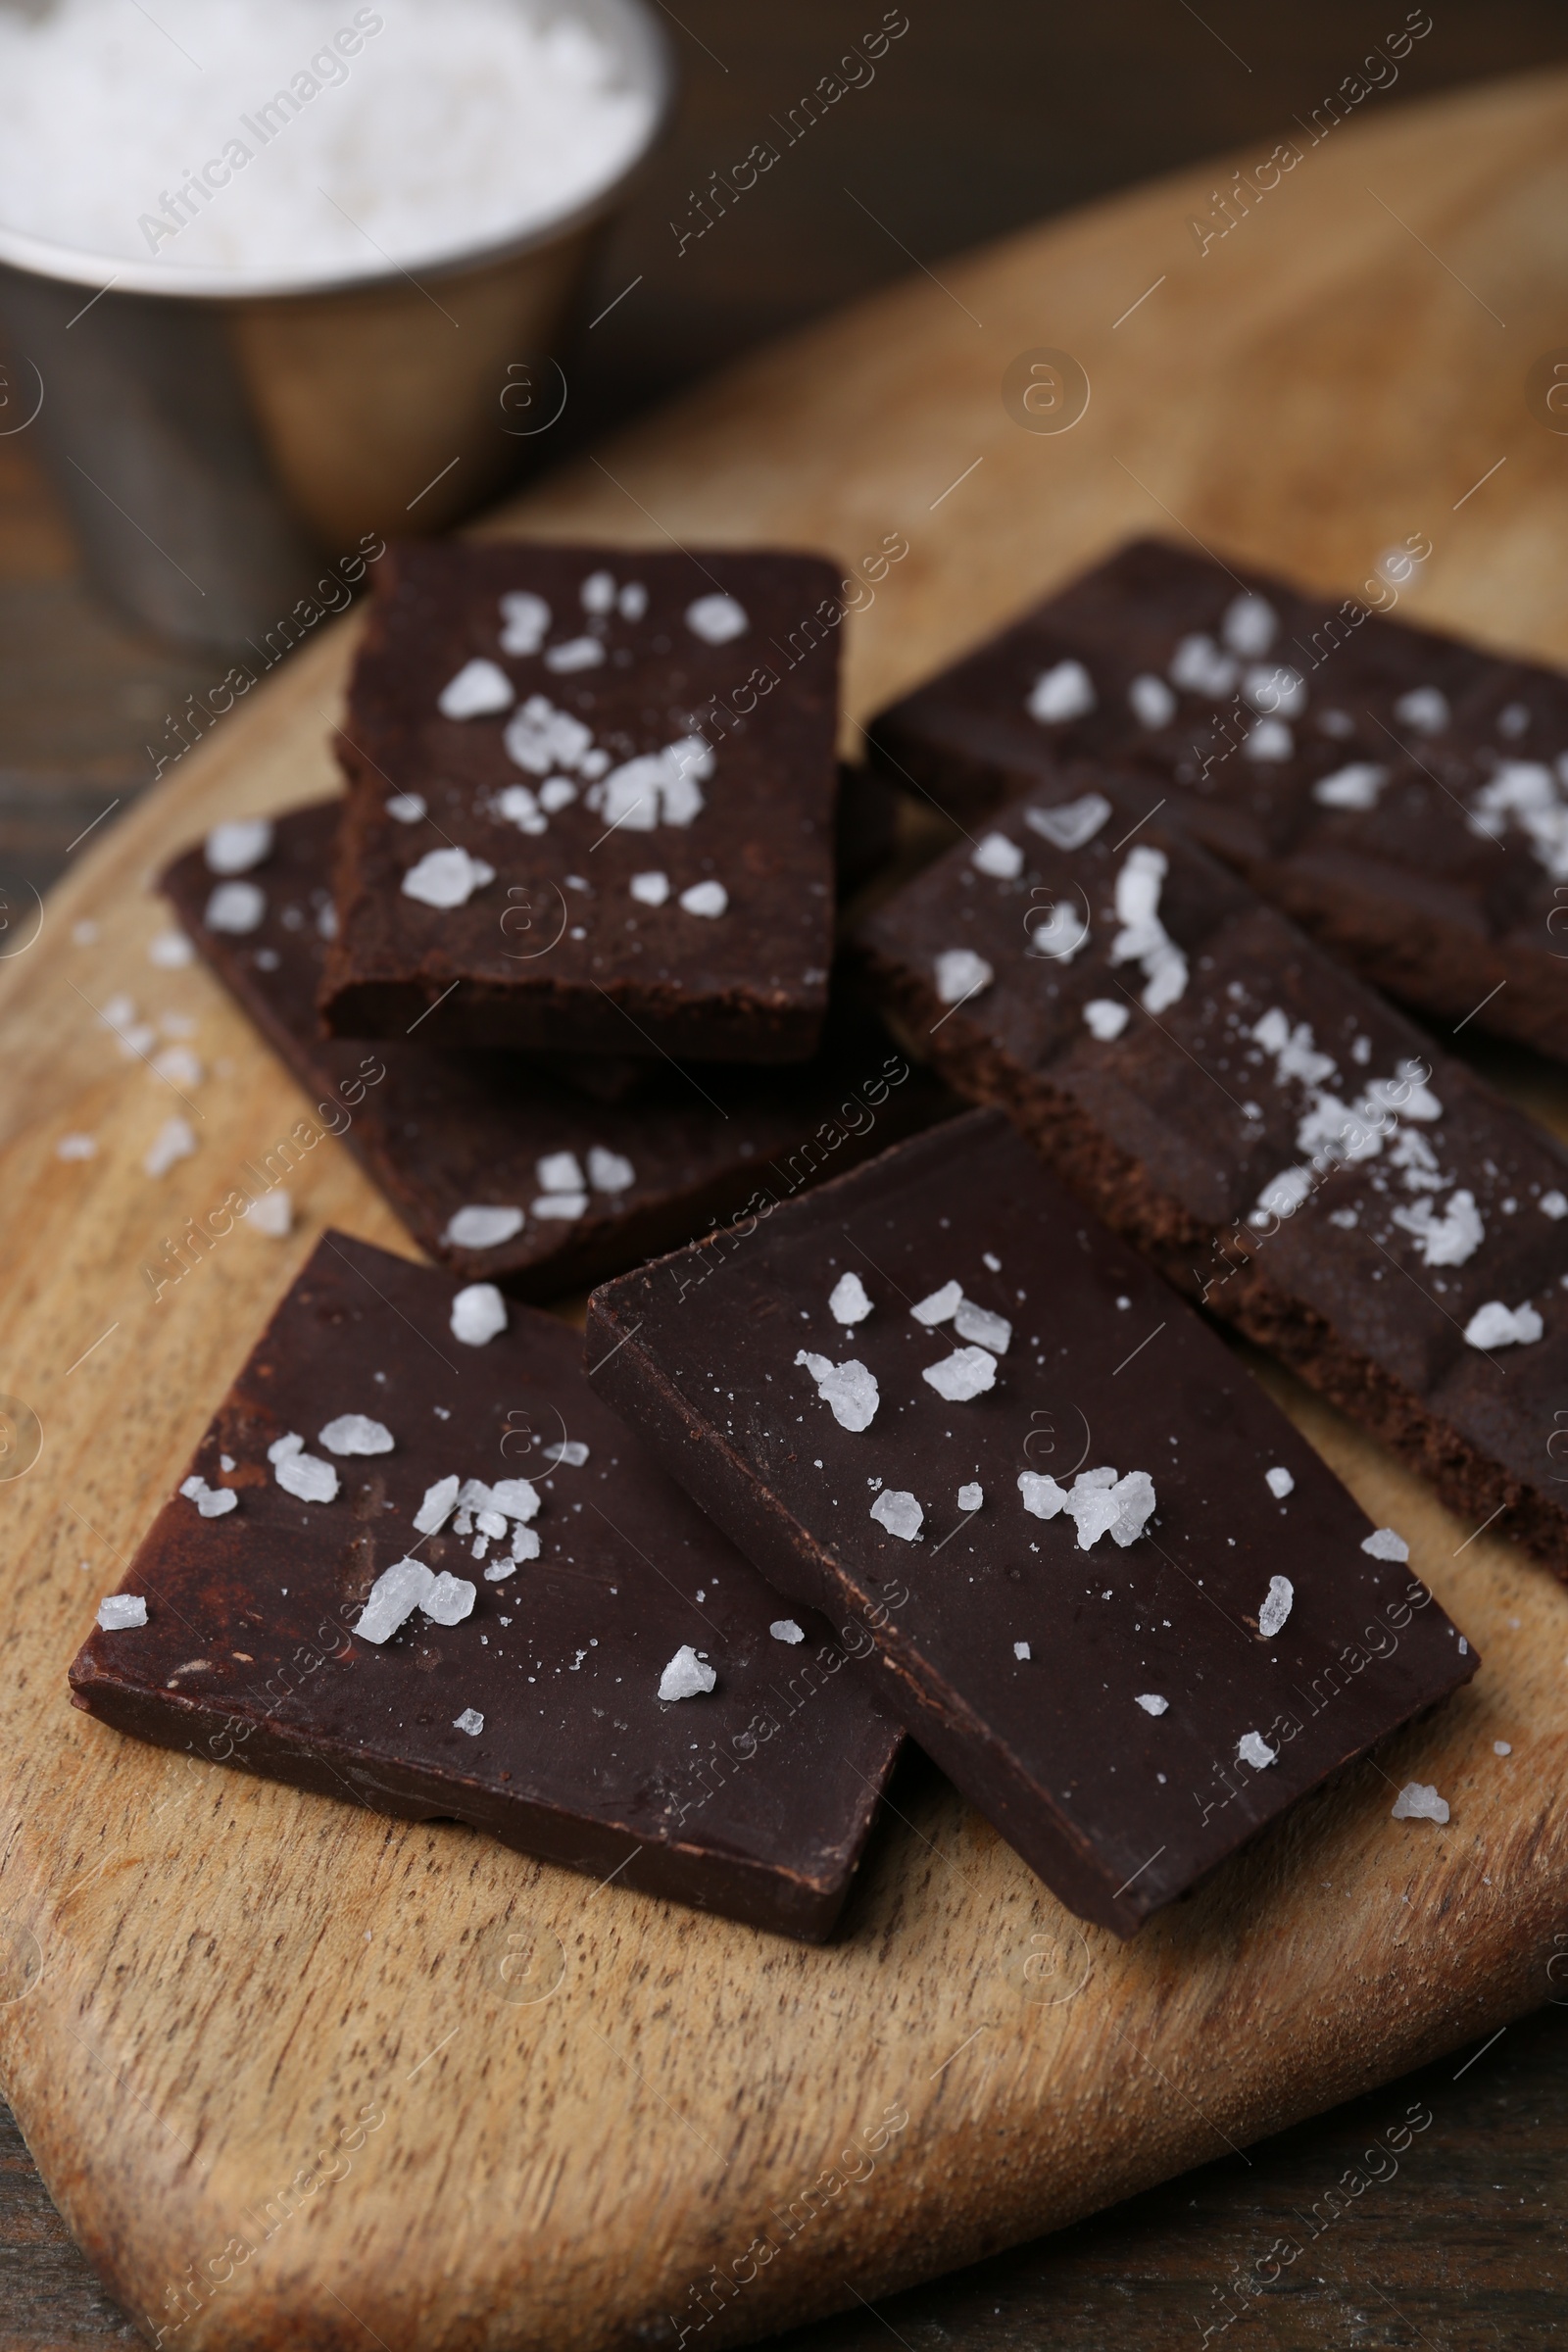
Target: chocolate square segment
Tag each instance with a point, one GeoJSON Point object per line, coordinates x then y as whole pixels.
{"type": "Point", "coordinates": [499, 1166]}
{"type": "Point", "coordinates": [1400, 794]}
{"type": "Point", "coordinates": [527, 1699]}
{"type": "Point", "coordinates": [1283, 1144]}
{"type": "Point", "coordinates": [1118, 1598]}
{"type": "Point", "coordinates": [591, 803]}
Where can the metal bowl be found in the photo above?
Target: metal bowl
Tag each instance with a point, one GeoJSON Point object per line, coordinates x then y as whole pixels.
{"type": "Point", "coordinates": [217, 435]}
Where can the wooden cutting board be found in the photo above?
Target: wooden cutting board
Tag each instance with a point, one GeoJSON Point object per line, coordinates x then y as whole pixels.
{"type": "Point", "coordinates": [263, 2047]}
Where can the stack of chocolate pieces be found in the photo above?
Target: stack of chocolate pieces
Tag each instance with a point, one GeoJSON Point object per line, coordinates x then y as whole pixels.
{"type": "Point", "coordinates": [928, 1442]}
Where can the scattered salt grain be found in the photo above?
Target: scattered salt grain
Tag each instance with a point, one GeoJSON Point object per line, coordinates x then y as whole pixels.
{"type": "Point", "coordinates": [235, 908]}
{"type": "Point", "coordinates": [75, 1147]}
{"type": "Point", "coordinates": [1279, 1482]}
{"type": "Point", "coordinates": [482, 1228]}
{"type": "Point", "coordinates": [211, 1501]}
{"type": "Point", "coordinates": [1042, 1499]}
{"type": "Point", "coordinates": [970, 1497]}
{"type": "Point", "coordinates": [1063, 692]}
{"type": "Point", "coordinates": [478, 1312]}
{"type": "Point", "coordinates": [299, 1473]}
{"type": "Point", "coordinates": [354, 1433]}
{"type": "Point", "coordinates": [1497, 1326]}
{"type": "Point", "coordinates": [979, 1324]}
{"type": "Point", "coordinates": [1151, 1702]}
{"type": "Point", "coordinates": [849, 1389]}
{"type": "Point", "coordinates": [169, 951]}
{"type": "Point", "coordinates": [1105, 1019]}
{"type": "Point", "coordinates": [1418, 1800]}
{"type": "Point", "coordinates": [610, 1171]}
{"type": "Point", "coordinates": [273, 1213]}
{"type": "Point", "coordinates": [234, 848]}
{"type": "Point", "coordinates": [1022, 1651]}
{"type": "Point", "coordinates": [706, 898]}
{"type": "Point", "coordinates": [406, 807]}
{"type": "Point", "coordinates": [564, 1208]}
{"type": "Point", "coordinates": [568, 1453]}
{"type": "Point", "coordinates": [575, 653]}
{"type": "Point", "coordinates": [470, 1721]}
{"type": "Point", "coordinates": [1424, 707]}
{"type": "Point", "coordinates": [1356, 786]}
{"type": "Point", "coordinates": [848, 1302]}
{"type": "Point", "coordinates": [179, 1066]}
{"type": "Point", "coordinates": [478, 688]}
{"type": "Point", "coordinates": [1252, 1748]}
{"type": "Point", "coordinates": [1150, 701]}
{"type": "Point", "coordinates": [449, 1601]}
{"type": "Point", "coordinates": [649, 890]}
{"type": "Point", "coordinates": [175, 1140]}
{"type": "Point", "coordinates": [1249, 623]}
{"type": "Point", "coordinates": [785, 1629]}
{"type": "Point", "coordinates": [996, 856]}
{"type": "Point", "coordinates": [526, 621]}
{"type": "Point", "coordinates": [1102, 1504]}
{"type": "Point", "coordinates": [1071, 823]}
{"type": "Point", "coordinates": [446, 878]}
{"type": "Point", "coordinates": [687, 1675]}
{"type": "Point", "coordinates": [967, 1373]}
{"type": "Point", "coordinates": [962, 973]}
{"type": "Point", "coordinates": [1277, 1602]}
{"type": "Point", "coordinates": [118, 1611]}
{"type": "Point", "coordinates": [393, 1599]}
{"type": "Point", "coordinates": [1553, 1205]}
{"type": "Point", "coordinates": [939, 1306]}
{"type": "Point", "coordinates": [436, 1509]}
{"type": "Point", "coordinates": [1502, 1748]}
{"type": "Point", "coordinates": [899, 1512]}
{"type": "Point", "coordinates": [1384, 1544]}
{"type": "Point", "coordinates": [716, 620]}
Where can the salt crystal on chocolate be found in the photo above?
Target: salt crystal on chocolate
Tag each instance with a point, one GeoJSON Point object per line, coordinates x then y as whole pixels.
{"type": "Point", "coordinates": [962, 973]}
{"type": "Point", "coordinates": [996, 856]}
{"type": "Point", "coordinates": [118, 1611]}
{"type": "Point", "coordinates": [1042, 1499]}
{"type": "Point", "coordinates": [848, 1302]}
{"type": "Point", "coordinates": [1065, 691]}
{"type": "Point", "coordinates": [896, 1509]}
{"type": "Point", "coordinates": [299, 1473]}
{"type": "Point", "coordinates": [940, 1306]}
{"type": "Point", "coordinates": [445, 878]}
{"type": "Point", "coordinates": [1022, 1651]}
{"type": "Point", "coordinates": [354, 1433]}
{"type": "Point", "coordinates": [1384, 1544]}
{"type": "Point", "coordinates": [436, 1509]}
{"type": "Point", "coordinates": [707, 898]}
{"type": "Point", "coordinates": [1279, 1482]}
{"type": "Point", "coordinates": [1277, 1602]}
{"type": "Point", "coordinates": [1105, 1019]}
{"type": "Point", "coordinates": [393, 1599]}
{"type": "Point", "coordinates": [1252, 1748]}
{"type": "Point", "coordinates": [716, 620]}
{"type": "Point", "coordinates": [211, 1501]}
{"type": "Point", "coordinates": [478, 1312]}
{"type": "Point", "coordinates": [1151, 1702]}
{"type": "Point", "coordinates": [574, 653]}
{"type": "Point", "coordinates": [785, 1629]}
{"type": "Point", "coordinates": [687, 1675]}
{"type": "Point", "coordinates": [1248, 624]}
{"type": "Point", "coordinates": [570, 1452]}
{"type": "Point", "coordinates": [848, 1389]}
{"type": "Point", "coordinates": [406, 808]}
{"type": "Point", "coordinates": [450, 1598]}
{"type": "Point", "coordinates": [524, 622]}
{"type": "Point", "coordinates": [967, 1373]}
{"type": "Point", "coordinates": [978, 1323]}
{"type": "Point", "coordinates": [610, 1171]}
{"type": "Point", "coordinates": [970, 1497]}
{"type": "Point", "coordinates": [234, 846]}
{"type": "Point", "coordinates": [1070, 824]}
{"type": "Point", "coordinates": [649, 890]}
{"type": "Point", "coordinates": [478, 688]}
{"type": "Point", "coordinates": [235, 907]}
{"type": "Point", "coordinates": [1495, 1325]}
{"type": "Point", "coordinates": [1150, 701]}
{"type": "Point", "coordinates": [1356, 786]}
{"type": "Point", "coordinates": [483, 1228]}
{"type": "Point", "coordinates": [470, 1721]}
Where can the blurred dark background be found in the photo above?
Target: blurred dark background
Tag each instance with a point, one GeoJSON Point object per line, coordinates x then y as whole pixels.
{"type": "Point", "coordinates": [984, 116]}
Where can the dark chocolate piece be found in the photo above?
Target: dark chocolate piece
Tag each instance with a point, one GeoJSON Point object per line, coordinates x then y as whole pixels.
{"type": "Point", "coordinates": [525, 1701]}
{"type": "Point", "coordinates": [591, 803]}
{"type": "Point", "coordinates": [1401, 794]}
{"type": "Point", "coordinates": [1283, 1143]}
{"type": "Point", "coordinates": [445, 1132]}
{"type": "Point", "coordinates": [1119, 1596]}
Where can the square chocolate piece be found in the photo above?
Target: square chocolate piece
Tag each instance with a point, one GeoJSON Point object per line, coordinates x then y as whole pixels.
{"type": "Point", "coordinates": [1283, 1144]}
{"type": "Point", "coordinates": [1400, 794]}
{"type": "Point", "coordinates": [1120, 1600]}
{"type": "Point", "coordinates": [591, 803]}
{"type": "Point", "coordinates": [417, 1564]}
{"type": "Point", "coordinates": [497, 1164]}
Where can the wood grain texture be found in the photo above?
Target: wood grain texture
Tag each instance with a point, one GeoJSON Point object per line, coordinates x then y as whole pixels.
{"type": "Point", "coordinates": [260, 2044]}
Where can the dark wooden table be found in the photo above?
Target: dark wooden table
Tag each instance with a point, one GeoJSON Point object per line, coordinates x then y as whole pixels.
{"type": "Point", "coordinates": [983, 115]}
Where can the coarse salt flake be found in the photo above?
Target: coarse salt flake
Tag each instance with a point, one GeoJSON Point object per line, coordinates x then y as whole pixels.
{"type": "Point", "coordinates": [169, 951]}
{"type": "Point", "coordinates": [939, 1306]}
{"type": "Point", "coordinates": [718, 620]}
{"type": "Point", "coordinates": [470, 1721]}
{"type": "Point", "coordinates": [1279, 1482]}
{"type": "Point", "coordinates": [706, 898]}
{"type": "Point", "coordinates": [436, 1509]}
{"type": "Point", "coordinates": [1383, 1544]}
{"type": "Point", "coordinates": [979, 1324]}
{"type": "Point", "coordinates": [610, 1171]}
{"type": "Point", "coordinates": [406, 807]}
{"type": "Point", "coordinates": [234, 846]}
{"type": "Point", "coordinates": [272, 1214]}
{"type": "Point", "coordinates": [1151, 1702]}
{"type": "Point", "coordinates": [1065, 691]}
{"type": "Point", "coordinates": [687, 1675]}
{"type": "Point", "coordinates": [996, 856]}
{"type": "Point", "coordinates": [479, 1313]}
{"type": "Point", "coordinates": [962, 973]}
{"type": "Point", "coordinates": [1105, 1019]}
{"type": "Point", "coordinates": [1252, 1748]}
{"type": "Point", "coordinates": [849, 1389]}
{"type": "Point", "coordinates": [235, 908]}
{"type": "Point", "coordinates": [1418, 1800]}
{"type": "Point", "coordinates": [972, 1496]}
{"type": "Point", "coordinates": [355, 1432]}
{"type": "Point", "coordinates": [446, 878]}
{"type": "Point", "coordinates": [1071, 824]}
{"type": "Point", "coordinates": [482, 1228]}
{"type": "Point", "coordinates": [174, 1141]}
{"type": "Point", "coordinates": [899, 1512]}
{"type": "Point", "coordinates": [649, 890]}
{"type": "Point", "coordinates": [1495, 1325]}
{"type": "Point", "coordinates": [302, 1475]}
{"type": "Point", "coordinates": [848, 1302]}
{"type": "Point", "coordinates": [967, 1373]}
{"type": "Point", "coordinates": [213, 1502]}
{"type": "Point", "coordinates": [785, 1629]}
{"type": "Point", "coordinates": [478, 688]}
{"type": "Point", "coordinates": [524, 622]}
{"type": "Point", "coordinates": [1277, 1602]}
{"type": "Point", "coordinates": [118, 1611]}
{"type": "Point", "coordinates": [1023, 1653]}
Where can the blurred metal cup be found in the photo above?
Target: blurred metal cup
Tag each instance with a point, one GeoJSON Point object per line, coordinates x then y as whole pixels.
{"type": "Point", "coordinates": [213, 446]}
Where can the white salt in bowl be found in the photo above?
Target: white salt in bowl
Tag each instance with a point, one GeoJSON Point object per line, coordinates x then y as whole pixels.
{"type": "Point", "coordinates": [281, 277]}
